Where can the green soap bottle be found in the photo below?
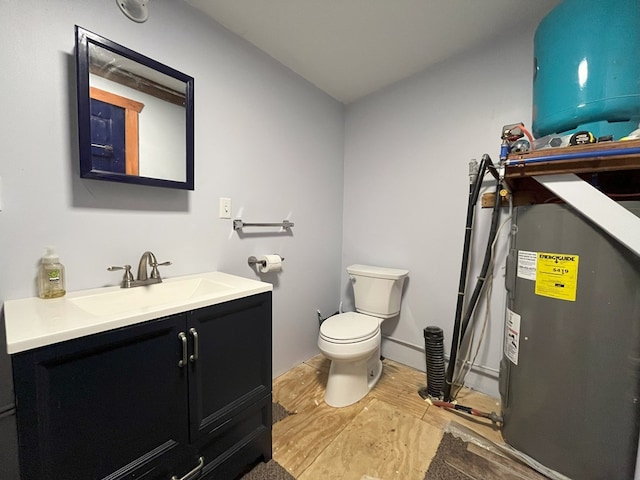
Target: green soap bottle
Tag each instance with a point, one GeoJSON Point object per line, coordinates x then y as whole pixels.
{"type": "Point", "coordinates": [51, 275]}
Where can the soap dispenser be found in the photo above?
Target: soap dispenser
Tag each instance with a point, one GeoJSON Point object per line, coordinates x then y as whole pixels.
{"type": "Point", "coordinates": [51, 275]}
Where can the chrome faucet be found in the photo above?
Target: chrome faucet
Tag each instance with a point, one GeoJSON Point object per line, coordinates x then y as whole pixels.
{"type": "Point", "coordinates": [143, 277]}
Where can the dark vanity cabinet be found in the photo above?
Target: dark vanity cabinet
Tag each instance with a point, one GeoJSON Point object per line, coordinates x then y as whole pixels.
{"type": "Point", "coordinates": [8, 434]}
{"type": "Point", "coordinates": [185, 396]}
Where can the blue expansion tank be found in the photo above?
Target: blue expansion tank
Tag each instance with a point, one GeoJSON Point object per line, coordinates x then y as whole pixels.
{"type": "Point", "coordinates": [587, 69]}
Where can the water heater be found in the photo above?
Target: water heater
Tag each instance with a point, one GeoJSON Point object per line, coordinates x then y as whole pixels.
{"type": "Point", "coordinates": [587, 68]}
{"type": "Point", "coordinates": [570, 376]}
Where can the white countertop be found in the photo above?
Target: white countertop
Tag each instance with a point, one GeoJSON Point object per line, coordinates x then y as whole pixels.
{"type": "Point", "coordinates": [35, 322]}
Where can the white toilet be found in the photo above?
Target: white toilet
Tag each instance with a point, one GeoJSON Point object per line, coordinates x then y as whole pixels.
{"type": "Point", "coordinates": [351, 340]}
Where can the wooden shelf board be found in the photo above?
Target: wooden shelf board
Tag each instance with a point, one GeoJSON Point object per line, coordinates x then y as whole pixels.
{"type": "Point", "coordinates": [611, 166]}
{"type": "Point", "coordinates": [599, 157]}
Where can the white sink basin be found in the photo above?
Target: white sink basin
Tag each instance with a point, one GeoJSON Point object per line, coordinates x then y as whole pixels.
{"type": "Point", "coordinates": [34, 322]}
{"type": "Point", "coordinates": [149, 296]}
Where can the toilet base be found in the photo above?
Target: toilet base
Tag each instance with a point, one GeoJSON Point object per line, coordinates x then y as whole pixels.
{"type": "Point", "coordinates": [350, 381]}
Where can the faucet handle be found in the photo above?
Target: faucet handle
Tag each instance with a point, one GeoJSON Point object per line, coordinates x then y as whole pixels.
{"type": "Point", "coordinates": [127, 277]}
{"type": "Point", "coordinates": [154, 268]}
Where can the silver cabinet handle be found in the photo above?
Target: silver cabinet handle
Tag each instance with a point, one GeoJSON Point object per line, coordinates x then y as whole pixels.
{"type": "Point", "coordinates": [196, 347]}
{"type": "Point", "coordinates": [193, 472]}
{"type": "Point", "coordinates": [183, 339]}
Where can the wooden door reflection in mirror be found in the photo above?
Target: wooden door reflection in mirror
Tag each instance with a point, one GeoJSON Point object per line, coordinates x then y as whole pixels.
{"type": "Point", "coordinates": [114, 132]}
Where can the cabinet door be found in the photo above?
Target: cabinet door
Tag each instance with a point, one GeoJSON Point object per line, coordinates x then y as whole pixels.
{"type": "Point", "coordinates": [8, 446]}
{"type": "Point", "coordinates": [108, 405]}
{"type": "Point", "coordinates": [233, 368]}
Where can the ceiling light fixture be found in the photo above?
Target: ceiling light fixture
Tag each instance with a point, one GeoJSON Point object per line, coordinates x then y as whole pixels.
{"type": "Point", "coordinates": [135, 10]}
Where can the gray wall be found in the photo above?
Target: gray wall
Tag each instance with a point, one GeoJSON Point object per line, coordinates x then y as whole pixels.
{"type": "Point", "coordinates": [279, 148]}
{"type": "Point", "coordinates": [407, 150]}
{"type": "Point", "coordinates": [264, 137]}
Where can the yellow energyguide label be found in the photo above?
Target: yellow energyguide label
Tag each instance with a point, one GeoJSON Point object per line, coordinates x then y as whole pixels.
{"type": "Point", "coordinates": [557, 275]}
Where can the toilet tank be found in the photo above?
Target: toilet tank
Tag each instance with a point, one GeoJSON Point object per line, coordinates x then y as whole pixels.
{"type": "Point", "coordinates": [377, 290]}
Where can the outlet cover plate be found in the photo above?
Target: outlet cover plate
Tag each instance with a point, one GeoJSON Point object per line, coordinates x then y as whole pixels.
{"type": "Point", "coordinates": [225, 207]}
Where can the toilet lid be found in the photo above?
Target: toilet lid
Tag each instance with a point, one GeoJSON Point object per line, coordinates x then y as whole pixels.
{"type": "Point", "coordinates": [349, 327]}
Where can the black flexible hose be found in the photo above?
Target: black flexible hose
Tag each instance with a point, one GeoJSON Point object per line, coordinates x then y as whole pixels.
{"type": "Point", "coordinates": [474, 191]}
{"type": "Point", "coordinates": [487, 261]}
{"type": "Point", "coordinates": [461, 324]}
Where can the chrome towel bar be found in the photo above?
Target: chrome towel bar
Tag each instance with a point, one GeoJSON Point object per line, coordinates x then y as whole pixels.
{"type": "Point", "coordinates": [239, 224]}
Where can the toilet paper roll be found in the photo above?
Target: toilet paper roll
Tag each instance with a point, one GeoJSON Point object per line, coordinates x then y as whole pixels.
{"type": "Point", "coordinates": [270, 263]}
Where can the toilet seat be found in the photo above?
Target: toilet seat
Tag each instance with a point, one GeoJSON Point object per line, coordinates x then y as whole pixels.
{"type": "Point", "coordinates": [349, 327]}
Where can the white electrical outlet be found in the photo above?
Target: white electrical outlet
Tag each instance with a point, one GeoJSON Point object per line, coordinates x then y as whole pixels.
{"type": "Point", "coordinates": [225, 207]}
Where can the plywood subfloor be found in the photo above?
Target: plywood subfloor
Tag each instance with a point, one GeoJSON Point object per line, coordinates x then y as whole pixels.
{"type": "Point", "coordinates": [390, 434]}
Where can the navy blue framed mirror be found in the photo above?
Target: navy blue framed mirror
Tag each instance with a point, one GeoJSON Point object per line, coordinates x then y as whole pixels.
{"type": "Point", "coordinates": [135, 116]}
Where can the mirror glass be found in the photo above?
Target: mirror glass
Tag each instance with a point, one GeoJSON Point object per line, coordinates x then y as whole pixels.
{"type": "Point", "coordinates": [135, 116]}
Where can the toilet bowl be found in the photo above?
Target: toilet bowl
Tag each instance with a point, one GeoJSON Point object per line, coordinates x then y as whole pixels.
{"type": "Point", "coordinates": [355, 356]}
{"type": "Point", "coordinates": [351, 340]}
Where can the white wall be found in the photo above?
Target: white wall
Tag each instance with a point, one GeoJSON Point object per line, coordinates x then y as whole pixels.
{"type": "Point", "coordinates": [264, 137]}
{"type": "Point", "coordinates": [407, 150]}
